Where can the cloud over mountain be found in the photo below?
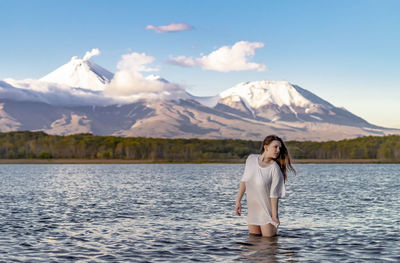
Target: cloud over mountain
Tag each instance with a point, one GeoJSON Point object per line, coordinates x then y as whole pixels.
{"type": "Point", "coordinates": [225, 59]}
{"type": "Point", "coordinates": [129, 83]}
{"type": "Point", "coordinates": [173, 27]}
{"type": "Point", "coordinates": [82, 82]}
{"type": "Point", "coordinates": [50, 93]}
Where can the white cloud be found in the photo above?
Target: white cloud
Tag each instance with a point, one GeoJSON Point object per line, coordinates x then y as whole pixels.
{"type": "Point", "coordinates": [136, 62]}
{"type": "Point", "coordinates": [92, 53]}
{"type": "Point", "coordinates": [129, 83]}
{"type": "Point", "coordinates": [225, 59]}
{"type": "Point", "coordinates": [173, 27]}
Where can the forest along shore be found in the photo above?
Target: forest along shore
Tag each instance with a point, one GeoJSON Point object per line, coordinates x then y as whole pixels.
{"type": "Point", "coordinates": [39, 147]}
{"type": "Point", "coordinates": [122, 161]}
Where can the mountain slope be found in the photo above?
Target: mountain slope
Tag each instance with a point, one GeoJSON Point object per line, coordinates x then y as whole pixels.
{"type": "Point", "coordinates": [167, 119]}
{"type": "Point", "coordinates": [71, 99]}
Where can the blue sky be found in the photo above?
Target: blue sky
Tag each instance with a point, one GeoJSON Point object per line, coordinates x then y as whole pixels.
{"type": "Point", "coordinates": [347, 52]}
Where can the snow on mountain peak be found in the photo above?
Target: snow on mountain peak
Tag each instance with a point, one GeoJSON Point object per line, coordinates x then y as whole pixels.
{"type": "Point", "coordinates": [156, 77]}
{"type": "Point", "coordinates": [260, 93]}
{"type": "Point", "coordinates": [80, 73]}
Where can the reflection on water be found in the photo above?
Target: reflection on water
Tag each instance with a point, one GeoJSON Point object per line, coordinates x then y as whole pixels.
{"type": "Point", "coordinates": [180, 213]}
{"type": "Point", "coordinates": [257, 248]}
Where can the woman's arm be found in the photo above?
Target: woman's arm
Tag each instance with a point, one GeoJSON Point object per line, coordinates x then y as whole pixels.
{"type": "Point", "coordinates": [238, 207]}
{"type": "Point", "coordinates": [274, 208]}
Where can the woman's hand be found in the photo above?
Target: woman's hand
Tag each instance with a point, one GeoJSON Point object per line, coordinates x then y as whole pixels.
{"type": "Point", "coordinates": [274, 210]}
{"type": "Point", "coordinates": [238, 208]}
{"type": "Point", "coordinates": [276, 220]}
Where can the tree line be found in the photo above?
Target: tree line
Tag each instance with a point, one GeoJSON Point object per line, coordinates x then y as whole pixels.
{"type": "Point", "coordinates": [386, 148]}
{"type": "Point", "coordinates": [27, 144]}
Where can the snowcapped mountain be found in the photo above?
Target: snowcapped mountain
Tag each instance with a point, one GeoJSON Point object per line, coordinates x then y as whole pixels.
{"type": "Point", "coordinates": [274, 101]}
{"type": "Point", "coordinates": [76, 98]}
{"type": "Point", "coordinates": [80, 73]}
{"type": "Point", "coordinates": [257, 94]}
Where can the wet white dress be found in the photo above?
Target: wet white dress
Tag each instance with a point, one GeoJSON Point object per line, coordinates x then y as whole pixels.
{"type": "Point", "coordinates": [261, 184]}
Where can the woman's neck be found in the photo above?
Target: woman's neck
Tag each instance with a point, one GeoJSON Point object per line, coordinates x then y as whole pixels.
{"type": "Point", "coordinates": [265, 159]}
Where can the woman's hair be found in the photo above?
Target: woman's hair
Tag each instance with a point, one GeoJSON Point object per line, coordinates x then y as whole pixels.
{"type": "Point", "coordinates": [283, 158]}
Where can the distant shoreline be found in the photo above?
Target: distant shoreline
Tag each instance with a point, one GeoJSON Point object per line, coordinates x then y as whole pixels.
{"type": "Point", "coordinates": [123, 161]}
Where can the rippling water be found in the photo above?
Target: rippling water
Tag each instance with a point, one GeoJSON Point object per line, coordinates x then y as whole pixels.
{"type": "Point", "coordinates": [180, 213]}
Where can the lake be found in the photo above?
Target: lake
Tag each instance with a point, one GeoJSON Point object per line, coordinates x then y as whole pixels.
{"type": "Point", "coordinates": [185, 212]}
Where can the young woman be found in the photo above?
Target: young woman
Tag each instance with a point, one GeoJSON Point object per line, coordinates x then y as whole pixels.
{"type": "Point", "coordinates": [263, 181]}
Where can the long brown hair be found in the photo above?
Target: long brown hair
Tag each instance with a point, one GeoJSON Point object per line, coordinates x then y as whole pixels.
{"type": "Point", "coordinates": [283, 159]}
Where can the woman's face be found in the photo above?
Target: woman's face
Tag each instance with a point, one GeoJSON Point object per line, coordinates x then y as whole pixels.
{"type": "Point", "coordinates": [273, 149]}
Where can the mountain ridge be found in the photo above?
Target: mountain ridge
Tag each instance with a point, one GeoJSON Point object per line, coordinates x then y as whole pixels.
{"type": "Point", "coordinates": [71, 99]}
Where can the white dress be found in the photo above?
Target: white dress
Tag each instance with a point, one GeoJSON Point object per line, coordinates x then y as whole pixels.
{"type": "Point", "coordinates": [261, 184]}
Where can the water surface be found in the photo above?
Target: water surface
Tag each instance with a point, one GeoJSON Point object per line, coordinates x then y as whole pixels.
{"type": "Point", "coordinates": [185, 212]}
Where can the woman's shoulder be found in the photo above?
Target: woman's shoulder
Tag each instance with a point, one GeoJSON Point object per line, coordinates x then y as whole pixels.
{"type": "Point", "coordinates": [275, 166]}
{"type": "Point", "coordinates": [252, 156]}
